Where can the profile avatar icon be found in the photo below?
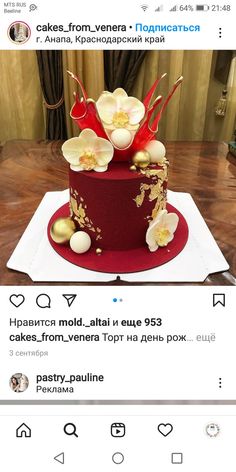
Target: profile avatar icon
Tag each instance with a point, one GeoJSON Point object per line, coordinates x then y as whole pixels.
{"type": "Point", "coordinates": [19, 32]}
{"type": "Point", "coordinates": [19, 382]}
{"type": "Point", "coordinates": [212, 430]}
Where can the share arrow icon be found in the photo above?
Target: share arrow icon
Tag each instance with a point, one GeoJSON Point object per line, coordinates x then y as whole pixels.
{"type": "Point", "coordinates": [70, 298]}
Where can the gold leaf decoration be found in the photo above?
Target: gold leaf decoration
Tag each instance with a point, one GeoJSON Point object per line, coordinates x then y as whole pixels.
{"type": "Point", "coordinates": [153, 191]}
{"type": "Point", "coordinates": [140, 198]}
{"type": "Point", "coordinates": [79, 211]}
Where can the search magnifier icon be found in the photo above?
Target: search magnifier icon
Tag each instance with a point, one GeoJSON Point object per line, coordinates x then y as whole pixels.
{"type": "Point", "coordinates": [70, 429]}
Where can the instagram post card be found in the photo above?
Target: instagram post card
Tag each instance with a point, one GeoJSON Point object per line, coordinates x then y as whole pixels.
{"type": "Point", "coordinates": [118, 235]}
{"type": "Point", "coordinates": [117, 146]}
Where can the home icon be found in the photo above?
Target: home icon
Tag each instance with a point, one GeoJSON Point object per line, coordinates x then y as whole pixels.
{"type": "Point", "coordinates": [23, 431]}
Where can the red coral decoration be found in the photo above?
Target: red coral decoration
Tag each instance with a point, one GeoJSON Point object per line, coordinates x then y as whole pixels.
{"type": "Point", "coordinates": [84, 111]}
{"type": "Point", "coordinates": [85, 114]}
{"type": "Point", "coordinates": [148, 130]}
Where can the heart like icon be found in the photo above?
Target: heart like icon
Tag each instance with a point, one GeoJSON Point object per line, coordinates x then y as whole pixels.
{"type": "Point", "coordinates": [165, 429]}
{"type": "Point", "coordinates": [17, 300]}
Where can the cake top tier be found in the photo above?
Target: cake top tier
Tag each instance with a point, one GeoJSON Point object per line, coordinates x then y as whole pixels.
{"type": "Point", "coordinates": [119, 171]}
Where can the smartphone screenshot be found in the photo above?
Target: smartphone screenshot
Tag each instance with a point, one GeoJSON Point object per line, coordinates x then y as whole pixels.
{"type": "Point", "coordinates": [117, 240]}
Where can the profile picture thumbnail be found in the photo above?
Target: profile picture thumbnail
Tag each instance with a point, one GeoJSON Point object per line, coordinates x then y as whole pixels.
{"type": "Point", "coordinates": [19, 382]}
{"type": "Point", "coordinates": [19, 32]}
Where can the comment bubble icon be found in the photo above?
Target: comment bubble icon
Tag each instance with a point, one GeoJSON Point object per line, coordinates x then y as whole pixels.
{"type": "Point", "coordinates": [43, 300]}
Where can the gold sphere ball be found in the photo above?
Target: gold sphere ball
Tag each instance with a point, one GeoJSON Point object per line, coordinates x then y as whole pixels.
{"type": "Point", "coordinates": [141, 159]}
{"type": "Point", "coordinates": [98, 251]}
{"type": "Point", "coordinates": [62, 230]}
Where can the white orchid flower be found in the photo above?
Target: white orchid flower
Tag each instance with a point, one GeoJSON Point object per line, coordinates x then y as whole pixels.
{"type": "Point", "coordinates": [161, 230]}
{"type": "Point", "coordinates": [88, 152]}
{"type": "Point", "coordinates": [118, 110]}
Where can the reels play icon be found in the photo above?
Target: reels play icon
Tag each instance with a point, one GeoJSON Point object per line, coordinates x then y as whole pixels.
{"type": "Point", "coordinates": [118, 430]}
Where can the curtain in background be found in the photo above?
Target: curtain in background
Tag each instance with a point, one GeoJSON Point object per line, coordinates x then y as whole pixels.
{"type": "Point", "coordinates": [222, 66]}
{"type": "Point", "coordinates": [89, 67]}
{"type": "Point", "coordinates": [190, 115]}
{"type": "Point", "coordinates": [230, 123]}
{"type": "Point", "coordinates": [21, 105]}
{"type": "Point", "coordinates": [51, 78]}
{"type": "Point", "coordinates": [191, 112]}
{"type": "Point", "coordinates": [121, 68]}
{"type": "Point", "coordinates": [217, 128]}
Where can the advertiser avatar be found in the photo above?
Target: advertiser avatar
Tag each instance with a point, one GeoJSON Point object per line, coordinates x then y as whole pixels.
{"type": "Point", "coordinates": [19, 383]}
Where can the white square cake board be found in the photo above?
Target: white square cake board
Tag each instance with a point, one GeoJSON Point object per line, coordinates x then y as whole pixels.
{"type": "Point", "coordinates": [35, 256]}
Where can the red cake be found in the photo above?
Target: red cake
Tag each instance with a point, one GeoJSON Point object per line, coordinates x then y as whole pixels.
{"type": "Point", "coordinates": [118, 187]}
{"type": "Point", "coordinates": [115, 206]}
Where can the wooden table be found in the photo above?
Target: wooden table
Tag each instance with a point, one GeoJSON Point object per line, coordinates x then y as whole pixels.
{"type": "Point", "coordinates": [31, 168]}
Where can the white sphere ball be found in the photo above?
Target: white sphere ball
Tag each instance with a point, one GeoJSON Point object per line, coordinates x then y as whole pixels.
{"type": "Point", "coordinates": [156, 150]}
{"type": "Point", "coordinates": [80, 242]}
{"type": "Point", "coordinates": [121, 138]}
